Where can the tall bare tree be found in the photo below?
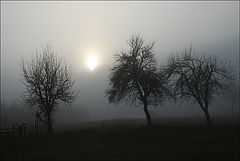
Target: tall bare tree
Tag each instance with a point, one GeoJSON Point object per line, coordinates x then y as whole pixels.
{"type": "Point", "coordinates": [199, 78]}
{"type": "Point", "coordinates": [135, 77]}
{"type": "Point", "coordinates": [48, 82]}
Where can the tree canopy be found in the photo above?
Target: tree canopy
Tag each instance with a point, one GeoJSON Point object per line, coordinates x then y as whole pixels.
{"type": "Point", "coordinates": [136, 78]}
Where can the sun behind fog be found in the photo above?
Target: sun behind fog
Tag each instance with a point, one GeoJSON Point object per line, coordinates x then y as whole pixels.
{"type": "Point", "coordinates": [92, 62]}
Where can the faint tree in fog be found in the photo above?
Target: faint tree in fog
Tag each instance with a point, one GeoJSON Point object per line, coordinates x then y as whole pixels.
{"type": "Point", "coordinates": [48, 82]}
{"type": "Point", "coordinates": [135, 77]}
{"type": "Point", "coordinates": [199, 78]}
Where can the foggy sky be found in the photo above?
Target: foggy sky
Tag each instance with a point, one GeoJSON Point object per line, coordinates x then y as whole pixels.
{"type": "Point", "coordinates": [76, 29]}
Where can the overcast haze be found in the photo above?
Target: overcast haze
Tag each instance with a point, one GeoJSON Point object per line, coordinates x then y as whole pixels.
{"type": "Point", "coordinates": [76, 30]}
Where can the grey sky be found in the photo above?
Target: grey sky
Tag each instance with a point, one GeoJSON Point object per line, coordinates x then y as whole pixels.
{"type": "Point", "coordinates": [76, 29]}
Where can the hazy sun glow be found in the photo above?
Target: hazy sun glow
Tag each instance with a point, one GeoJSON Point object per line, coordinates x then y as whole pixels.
{"type": "Point", "coordinates": [92, 62]}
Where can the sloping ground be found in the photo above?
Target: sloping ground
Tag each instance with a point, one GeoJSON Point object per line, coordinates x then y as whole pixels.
{"type": "Point", "coordinates": [167, 121]}
{"type": "Point", "coordinates": [121, 140]}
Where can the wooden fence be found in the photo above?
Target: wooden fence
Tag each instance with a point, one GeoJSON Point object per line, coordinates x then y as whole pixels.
{"type": "Point", "coordinates": [25, 128]}
{"type": "Point", "coordinates": [11, 131]}
{"type": "Point", "coordinates": [19, 130]}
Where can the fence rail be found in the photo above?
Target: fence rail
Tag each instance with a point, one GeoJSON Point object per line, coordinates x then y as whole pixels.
{"type": "Point", "coordinates": [25, 128]}
{"type": "Point", "coordinates": [9, 131]}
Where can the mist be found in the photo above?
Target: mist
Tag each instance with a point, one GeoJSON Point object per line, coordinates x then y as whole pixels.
{"type": "Point", "coordinates": [77, 29]}
{"type": "Point", "coordinates": [71, 71]}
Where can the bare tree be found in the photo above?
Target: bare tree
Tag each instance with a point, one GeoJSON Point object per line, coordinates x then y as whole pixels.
{"type": "Point", "coordinates": [199, 78]}
{"type": "Point", "coordinates": [135, 77]}
{"type": "Point", "coordinates": [48, 82]}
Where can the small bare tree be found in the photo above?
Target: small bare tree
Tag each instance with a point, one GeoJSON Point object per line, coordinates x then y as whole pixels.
{"type": "Point", "coordinates": [135, 77]}
{"type": "Point", "coordinates": [48, 82]}
{"type": "Point", "coordinates": [199, 78]}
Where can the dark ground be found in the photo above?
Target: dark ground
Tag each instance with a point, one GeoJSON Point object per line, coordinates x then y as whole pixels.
{"type": "Point", "coordinates": [125, 141]}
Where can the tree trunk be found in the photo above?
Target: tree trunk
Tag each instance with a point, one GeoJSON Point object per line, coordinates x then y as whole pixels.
{"type": "Point", "coordinates": [36, 126]}
{"type": "Point", "coordinates": [149, 120]}
{"type": "Point", "coordinates": [49, 123]}
{"type": "Point", "coordinates": [208, 118]}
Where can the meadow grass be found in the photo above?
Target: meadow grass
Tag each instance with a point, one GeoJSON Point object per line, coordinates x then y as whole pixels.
{"type": "Point", "coordinates": [127, 142]}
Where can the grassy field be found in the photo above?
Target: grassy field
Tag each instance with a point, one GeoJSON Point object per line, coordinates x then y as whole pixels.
{"type": "Point", "coordinates": [126, 140]}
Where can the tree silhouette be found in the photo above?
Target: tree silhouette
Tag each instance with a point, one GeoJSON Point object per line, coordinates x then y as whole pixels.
{"type": "Point", "coordinates": [135, 77]}
{"type": "Point", "coordinates": [199, 78]}
{"type": "Point", "coordinates": [48, 82]}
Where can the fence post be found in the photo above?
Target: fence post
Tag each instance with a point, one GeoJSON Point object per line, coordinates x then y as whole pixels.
{"type": "Point", "coordinates": [20, 130]}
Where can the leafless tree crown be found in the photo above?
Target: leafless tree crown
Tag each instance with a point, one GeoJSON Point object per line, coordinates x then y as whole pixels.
{"type": "Point", "coordinates": [47, 80]}
{"type": "Point", "coordinates": [199, 77]}
{"type": "Point", "coordinates": [135, 75]}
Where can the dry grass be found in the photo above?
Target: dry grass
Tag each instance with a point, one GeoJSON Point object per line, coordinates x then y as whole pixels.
{"type": "Point", "coordinates": [127, 140]}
